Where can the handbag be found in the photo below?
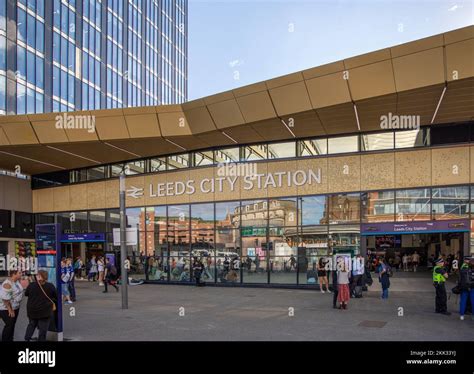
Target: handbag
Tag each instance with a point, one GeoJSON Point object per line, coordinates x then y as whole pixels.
{"type": "Point", "coordinates": [456, 289]}
{"type": "Point", "coordinates": [52, 302]}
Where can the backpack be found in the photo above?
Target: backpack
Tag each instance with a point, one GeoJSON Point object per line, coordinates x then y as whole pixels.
{"type": "Point", "coordinates": [113, 270]}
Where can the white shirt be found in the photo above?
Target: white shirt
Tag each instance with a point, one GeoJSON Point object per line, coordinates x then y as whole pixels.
{"type": "Point", "coordinates": [14, 294]}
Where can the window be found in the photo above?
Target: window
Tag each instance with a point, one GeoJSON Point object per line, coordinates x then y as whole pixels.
{"type": "Point", "coordinates": [178, 161]}
{"type": "Point", "coordinates": [227, 155]}
{"type": "Point", "coordinates": [158, 164]}
{"type": "Point", "coordinates": [413, 205]}
{"type": "Point", "coordinates": [344, 144]}
{"type": "Point", "coordinates": [254, 213]}
{"type": "Point", "coordinates": [378, 206]}
{"type": "Point", "coordinates": [412, 138]}
{"type": "Point", "coordinates": [255, 152]}
{"type": "Point", "coordinates": [282, 150]}
{"type": "Point", "coordinates": [283, 212]}
{"type": "Point", "coordinates": [96, 173]}
{"type": "Point", "coordinates": [450, 202]}
{"type": "Point", "coordinates": [376, 142]}
{"type": "Point", "coordinates": [344, 208]}
{"type": "Point", "coordinates": [313, 147]}
{"type": "Point", "coordinates": [228, 215]}
{"type": "Point", "coordinates": [203, 158]}
{"type": "Point", "coordinates": [449, 134]}
{"type": "Point", "coordinates": [313, 210]}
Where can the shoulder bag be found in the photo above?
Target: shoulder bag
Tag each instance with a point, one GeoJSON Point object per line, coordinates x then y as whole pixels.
{"type": "Point", "coordinates": [52, 302]}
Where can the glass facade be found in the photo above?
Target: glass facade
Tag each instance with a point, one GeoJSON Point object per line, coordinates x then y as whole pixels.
{"type": "Point", "coordinates": [263, 241]}
{"type": "Point", "coordinates": [104, 54]}
{"type": "Point", "coordinates": [317, 147]}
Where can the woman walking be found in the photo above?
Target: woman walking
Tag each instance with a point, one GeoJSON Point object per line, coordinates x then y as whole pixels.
{"type": "Point", "coordinates": [323, 275]}
{"type": "Point", "coordinates": [343, 294]}
{"type": "Point", "coordinates": [40, 305]}
{"type": "Point", "coordinates": [11, 294]}
{"type": "Point", "coordinates": [101, 268]}
{"type": "Point", "coordinates": [92, 269]}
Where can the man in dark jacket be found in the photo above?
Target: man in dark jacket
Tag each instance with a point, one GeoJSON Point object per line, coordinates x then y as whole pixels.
{"type": "Point", "coordinates": [334, 289]}
{"type": "Point", "coordinates": [466, 285]}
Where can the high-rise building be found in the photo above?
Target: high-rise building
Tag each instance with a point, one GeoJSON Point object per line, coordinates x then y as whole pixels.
{"type": "Point", "coordinates": [65, 55]}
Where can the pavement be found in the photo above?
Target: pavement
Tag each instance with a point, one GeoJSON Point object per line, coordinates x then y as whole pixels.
{"type": "Point", "coordinates": [187, 313]}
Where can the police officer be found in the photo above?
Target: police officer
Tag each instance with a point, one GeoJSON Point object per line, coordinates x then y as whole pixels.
{"type": "Point", "coordinates": [440, 274]}
{"type": "Point", "coordinates": [466, 286]}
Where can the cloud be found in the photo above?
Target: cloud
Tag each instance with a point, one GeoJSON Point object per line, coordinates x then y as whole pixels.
{"type": "Point", "coordinates": [454, 8]}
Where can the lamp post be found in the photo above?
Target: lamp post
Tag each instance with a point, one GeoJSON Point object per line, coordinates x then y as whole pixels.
{"type": "Point", "coordinates": [123, 244]}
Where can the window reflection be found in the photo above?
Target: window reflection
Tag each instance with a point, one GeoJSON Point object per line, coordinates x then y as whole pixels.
{"type": "Point", "coordinates": [412, 138]}
{"type": "Point", "coordinates": [343, 144]}
{"type": "Point", "coordinates": [203, 158]}
{"type": "Point", "coordinates": [255, 152]}
{"type": "Point", "coordinates": [344, 208]}
{"type": "Point", "coordinates": [313, 147]}
{"type": "Point", "coordinates": [158, 164]}
{"type": "Point", "coordinates": [375, 142]}
{"type": "Point", "coordinates": [450, 202]}
{"type": "Point", "coordinates": [227, 155]}
{"type": "Point", "coordinates": [413, 205]}
{"type": "Point", "coordinates": [283, 212]}
{"type": "Point", "coordinates": [378, 206]}
{"type": "Point", "coordinates": [281, 150]}
{"type": "Point", "coordinates": [178, 161]}
{"type": "Point", "coordinates": [313, 210]}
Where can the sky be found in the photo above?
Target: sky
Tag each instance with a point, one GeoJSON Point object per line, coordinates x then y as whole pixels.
{"type": "Point", "coordinates": [233, 43]}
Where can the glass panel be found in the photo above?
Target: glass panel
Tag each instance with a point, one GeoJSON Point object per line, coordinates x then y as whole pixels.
{"type": "Point", "coordinates": [375, 142]}
{"type": "Point", "coordinates": [227, 155]}
{"type": "Point", "coordinates": [79, 222]}
{"type": "Point", "coordinates": [343, 144]}
{"type": "Point", "coordinates": [117, 170]}
{"type": "Point", "coordinates": [254, 244]}
{"type": "Point", "coordinates": [44, 218]}
{"type": "Point", "coordinates": [282, 150]}
{"type": "Point", "coordinates": [202, 216]}
{"type": "Point", "coordinates": [313, 244]}
{"type": "Point", "coordinates": [178, 228]}
{"type": "Point", "coordinates": [157, 164]}
{"type": "Point", "coordinates": [283, 212]}
{"type": "Point", "coordinates": [255, 152]}
{"type": "Point", "coordinates": [413, 205]}
{"type": "Point", "coordinates": [178, 161]}
{"type": "Point", "coordinates": [378, 206]}
{"type": "Point", "coordinates": [203, 158]}
{"type": "Point", "coordinates": [313, 210]}
{"type": "Point", "coordinates": [344, 239]}
{"type": "Point", "coordinates": [180, 266]}
{"type": "Point", "coordinates": [254, 214]}
{"type": "Point", "coordinates": [450, 202]}
{"type": "Point", "coordinates": [283, 255]}
{"type": "Point", "coordinates": [412, 138]}
{"type": "Point", "coordinates": [313, 147]}
{"type": "Point", "coordinates": [156, 221]}
{"type": "Point", "coordinates": [136, 218]}
{"type": "Point", "coordinates": [228, 214]}
{"type": "Point", "coordinates": [64, 220]}
{"type": "Point", "coordinates": [135, 167]}
{"type": "Point", "coordinates": [96, 173]}
{"type": "Point", "coordinates": [113, 219]}
{"type": "Point", "coordinates": [344, 208]}
{"type": "Point", "coordinates": [97, 221]}
{"type": "Point", "coordinates": [449, 134]}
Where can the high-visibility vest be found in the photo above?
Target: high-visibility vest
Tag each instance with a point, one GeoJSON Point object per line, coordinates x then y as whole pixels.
{"type": "Point", "coordinates": [464, 266]}
{"type": "Point", "coordinates": [438, 278]}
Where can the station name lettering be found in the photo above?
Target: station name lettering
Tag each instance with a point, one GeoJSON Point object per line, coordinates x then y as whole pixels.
{"type": "Point", "coordinates": [231, 183]}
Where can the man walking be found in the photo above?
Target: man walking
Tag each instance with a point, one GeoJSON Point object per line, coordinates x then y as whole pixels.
{"type": "Point", "coordinates": [440, 274]}
{"type": "Point", "coordinates": [466, 285]}
{"type": "Point", "coordinates": [110, 275]}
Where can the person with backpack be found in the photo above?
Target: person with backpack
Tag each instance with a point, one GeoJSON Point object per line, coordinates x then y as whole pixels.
{"type": "Point", "coordinates": [384, 277]}
{"type": "Point", "coordinates": [466, 286]}
{"type": "Point", "coordinates": [110, 275]}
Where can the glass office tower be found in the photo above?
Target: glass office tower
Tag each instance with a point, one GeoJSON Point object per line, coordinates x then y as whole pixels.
{"type": "Point", "coordinates": [65, 55]}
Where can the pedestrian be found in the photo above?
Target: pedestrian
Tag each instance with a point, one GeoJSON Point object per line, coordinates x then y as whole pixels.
{"type": "Point", "coordinates": [334, 289]}
{"type": "Point", "coordinates": [358, 270]}
{"type": "Point", "coordinates": [405, 262]}
{"type": "Point", "coordinates": [440, 274]}
{"type": "Point", "coordinates": [110, 275]}
{"type": "Point", "coordinates": [466, 285]}
{"type": "Point", "coordinates": [343, 276]}
{"type": "Point", "coordinates": [65, 276]}
{"type": "Point", "coordinates": [415, 259]}
{"type": "Point", "coordinates": [100, 269]}
{"type": "Point", "coordinates": [384, 277]}
{"type": "Point", "coordinates": [198, 268]}
{"type": "Point", "coordinates": [78, 268]}
{"type": "Point", "coordinates": [40, 305]}
{"type": "Point", "coordinates": [92, 269]}
{"type": "Point", "coordinates": [72, 277]}
{"type": "Point", "coordinates": [323, 275]}
{"type": "Point", "coordinates": [11, 295]}
{"type": "Point", "coordinates": [431, 261]}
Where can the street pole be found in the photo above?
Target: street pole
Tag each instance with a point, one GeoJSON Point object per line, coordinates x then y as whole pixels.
{"type": "Point", "coordinates": [123, 244]}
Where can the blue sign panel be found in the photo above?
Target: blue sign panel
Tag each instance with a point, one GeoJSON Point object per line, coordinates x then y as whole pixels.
{"type": "Point", "coordinates": [77, 238]}
{"type": "Point", "coordinates": [48, 249]}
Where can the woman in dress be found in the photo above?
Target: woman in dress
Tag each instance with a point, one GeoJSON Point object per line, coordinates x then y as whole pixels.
{"type": "Point", "coordinates": [323, 275]}
{"type": "Point", "coordinates": [11, 294]}
{"type": "Point", "coordinates": [343, 273]}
